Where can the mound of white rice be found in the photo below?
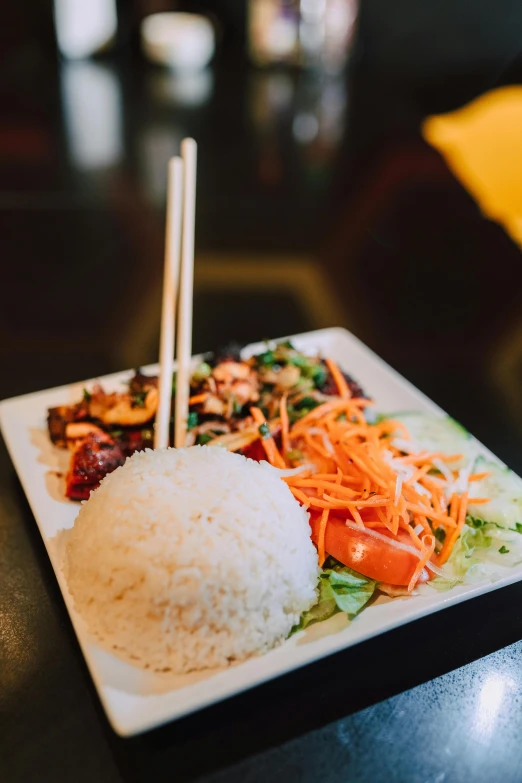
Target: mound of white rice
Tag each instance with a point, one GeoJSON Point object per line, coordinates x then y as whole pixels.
{"type": "Point", "coordinates": [185, 559]}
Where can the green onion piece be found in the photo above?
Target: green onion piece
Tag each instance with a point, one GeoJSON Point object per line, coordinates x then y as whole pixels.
{"type": "Point", "coordinates": [503, 550]}
{"type": "Point", "coordinates": [264, 431]}
{"type": "Point", "coordinates": [307, 402]}
{"type": "Point", "coordinates": [202, 371]}
{"type": "Point", "coordinates": [265, 359]}
{"type": "Point", "coordinates": [192, 420]}
{"type": "Point", "coordinates": [87, 396]}
{"type": "Point", "coordinates": [201, 440]}
{"type": "Point", "coordinates": [138, 399]}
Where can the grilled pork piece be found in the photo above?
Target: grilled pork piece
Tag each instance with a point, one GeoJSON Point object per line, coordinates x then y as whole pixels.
{"type": "Point", "coordinates": [58, 419]}
{"type": "Point", "coordinates": [94, 457]}
{"type": "Point", "coordinates": [141, 383]}
{"type": "Point", "coordinates": [330, 387]}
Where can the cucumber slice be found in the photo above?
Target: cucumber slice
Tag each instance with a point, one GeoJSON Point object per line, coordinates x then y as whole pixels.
{"type": "Point", "coordinates": [430, 432]}
{"type": "Point", "coordinates": [505, 490]}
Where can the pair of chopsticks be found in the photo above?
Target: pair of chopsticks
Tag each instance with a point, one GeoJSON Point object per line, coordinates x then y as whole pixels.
{"type": "Point", "coordinates": [178, 283]}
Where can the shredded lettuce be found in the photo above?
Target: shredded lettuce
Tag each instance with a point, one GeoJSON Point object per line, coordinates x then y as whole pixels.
{"type": "Point", "coordinates": [340, 590]}
{"type": "Point", "coordinates": [480, 545]}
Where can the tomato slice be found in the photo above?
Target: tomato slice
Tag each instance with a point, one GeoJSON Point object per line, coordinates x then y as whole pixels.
{"type": "Point", "coordinates": [367, 555]}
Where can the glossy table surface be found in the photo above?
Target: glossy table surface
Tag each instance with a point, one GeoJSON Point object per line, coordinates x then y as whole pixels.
{"type": "Point", "coordinates": [319, 203]}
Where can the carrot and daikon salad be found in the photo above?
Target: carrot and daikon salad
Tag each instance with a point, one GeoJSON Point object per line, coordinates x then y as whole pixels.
{"type": "Point", "coordinates": [395, 501]}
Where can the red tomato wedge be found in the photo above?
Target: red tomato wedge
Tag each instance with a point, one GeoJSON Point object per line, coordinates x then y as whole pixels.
{"type": "Point", "coordinates": [367, 555]}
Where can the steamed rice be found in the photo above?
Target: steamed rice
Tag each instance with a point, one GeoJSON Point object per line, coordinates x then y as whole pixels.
{"type": "Point", "coordinates": [185, 559]}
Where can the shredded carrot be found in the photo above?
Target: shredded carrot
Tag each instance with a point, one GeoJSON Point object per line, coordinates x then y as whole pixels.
{"type": "Point", "coordinates": [321, 536]}
{"type": "Point", "coordinates": [320, 483]}
{"type": "Point", "coordinates": [340, 382]}
{"type": "Point", "coordinates": [450, 540]}
{"type": "Point", "coordinates": [304, 499]}
{"type": "Point", "coordinates": [479, 476]}
{"type": "Point", "coordinates": [362, 475]}
{"type": "Point", "coordinates": [269, 445]}
{"type": "Point", "coordinates": [421, 459]}
{"type": "Point", "coordinates": [198, 398]}
{"type": "Point", "coordinates": [429, 543]}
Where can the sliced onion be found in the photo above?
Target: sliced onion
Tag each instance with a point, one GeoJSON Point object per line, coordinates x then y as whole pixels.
{"type": "Point", "coordinates": [420, 489]}
{"type": "Point", "coordinates": [380, 537]}
{"type": "Point", "coordinates": [283, 472]}
{"type": "Point", "coordinates": [442, 468]}
{"type": "Point", "coordinates": [461, 485]}
{"type": "Point", "coordinates": [436, 569]}
{"type": "Point", "coordinates": [418, 529]}
{"type": "Point", "coordinates": [398, 489]}
{"type": "Point", "coordinates": [404, 445]}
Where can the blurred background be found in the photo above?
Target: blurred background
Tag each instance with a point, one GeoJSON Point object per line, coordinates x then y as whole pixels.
{"type": "Point", "coordinates": [359, 165]}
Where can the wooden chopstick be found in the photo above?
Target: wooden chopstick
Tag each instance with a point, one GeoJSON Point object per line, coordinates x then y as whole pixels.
{"type": "Point", "coordinates": [184, 335]}
{"type": "Point", "coordinates": [170, 291]}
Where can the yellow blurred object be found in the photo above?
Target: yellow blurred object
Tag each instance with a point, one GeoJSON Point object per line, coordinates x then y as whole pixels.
{"type": "Point", "coordinates": [482, 144]}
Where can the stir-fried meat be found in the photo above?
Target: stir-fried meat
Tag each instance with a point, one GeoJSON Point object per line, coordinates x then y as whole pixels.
{"type": "Point", "coordinates": [126, 410]}
{"type": "Point", "coordinates": [94, 457]}
{"type": "Point", "coordinates": [236, 385]}
{"type": "Point", "coordinates": [141, 383]}
{"type": "Point", "coordinates": [106, 427]}
{"type": "Point", "coordinates": [59, 418]}
{"type": "Point", "coordinates": [329, 387]}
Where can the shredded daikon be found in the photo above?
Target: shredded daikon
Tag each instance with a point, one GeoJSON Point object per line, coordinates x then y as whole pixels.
{"type": "Point", "coordinates": [324, 437]}
{"type": "Point", "coordinates": [442, 468]}
{"type": "Point", "coordinates": [386, 539]}
{"type": "Point", "coordinates": [309, 467]}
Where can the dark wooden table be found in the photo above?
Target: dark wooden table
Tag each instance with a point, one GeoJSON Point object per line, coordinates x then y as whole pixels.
{"type": "Point", "coordinates": [319, 204]}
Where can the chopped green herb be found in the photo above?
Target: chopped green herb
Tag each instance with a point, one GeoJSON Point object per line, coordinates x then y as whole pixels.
{"type": "Point", "coordinates": [474, 522]}
{"type": "Point", "coordinates": [477, 523]}
{"type": "Point", "coordinates": [517, 528]}
{"type": "Point", "coordinates": [203, 439]}
{"type": "Point", "coordinates": [307, 402]}
{"type": "Point", "coordinates": [319, 376]}
{"type": "Point", "coordinates": [192, 420]}
{"type": "Point", "coordinates": [298, 361]}
{"type": "Point", "coordinates": [138, 399]}
{"type": "Point", "coordinates": [264, 431]}
{"type": "Point", "coordinates": [265, 359]}
{"type": "Point", "coordinates": [87, 396]}
{"type": "Point", "coordinates": [503, 550]}
{"type": "Point", "coordinates": [202, 371]}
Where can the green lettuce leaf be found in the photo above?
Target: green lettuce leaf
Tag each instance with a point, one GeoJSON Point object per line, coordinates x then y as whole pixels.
{"type": "Point", "coordinates": [479, 543]}
{"type": "Point", "coordinates": [340, 590]}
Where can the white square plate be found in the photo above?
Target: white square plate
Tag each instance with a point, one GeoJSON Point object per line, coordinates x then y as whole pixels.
{"type": "Point", "coordinates": [136, 700]}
